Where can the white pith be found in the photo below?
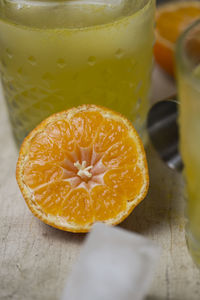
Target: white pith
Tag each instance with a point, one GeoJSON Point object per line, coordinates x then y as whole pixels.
{"type": "Point", "coordinates": [83, 171]}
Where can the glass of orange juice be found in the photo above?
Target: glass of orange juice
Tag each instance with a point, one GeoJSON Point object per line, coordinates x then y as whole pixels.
{"type": "Point", "coordinates": [58, 54]}
{"type": "Point", "coordinates": [188, 72]}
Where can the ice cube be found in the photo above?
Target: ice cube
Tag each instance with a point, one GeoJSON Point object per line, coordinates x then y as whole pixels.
{"type": "Point", "coordinates": [113, 265]}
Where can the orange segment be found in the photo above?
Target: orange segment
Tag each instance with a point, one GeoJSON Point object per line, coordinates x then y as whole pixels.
{"type": "Point", "coordinates": [87, 123]}
{"type": "Point", "coordinates": [78, 207]}
{"type": "Point", "coordinates": [171, 20]}
{"type": "Point", "coordinates": [126, 182]}
{"type": "Point", "coordinates": [107, 203]}
{"type": "Point", "coordinates": [43, 148]}
{"type": "Point", "coordinates": [51, 196]}
{"type": "Point", "coordinates": [36, 174]}
{"type": "Point", "coordinates": [80, 166]}
{"type": "Point", "coordinates": [109, 133]}
{"type": "Point", "coordinates": [122, 153]}
{"type": "Point", "coordinates": [61, 131]}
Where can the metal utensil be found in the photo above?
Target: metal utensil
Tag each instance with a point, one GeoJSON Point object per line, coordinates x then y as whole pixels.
{"type": "Point", "coordinates": [162, 127]}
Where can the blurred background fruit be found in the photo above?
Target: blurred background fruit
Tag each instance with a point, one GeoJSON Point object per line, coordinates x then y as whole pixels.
{"type": "Point", "coordinates": [172, 19]}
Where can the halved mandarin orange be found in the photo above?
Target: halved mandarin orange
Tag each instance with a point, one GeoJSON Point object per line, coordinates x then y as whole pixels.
{"type": "Point", "coordinates": [81, 166]}
{"type": "Point", "coordinates": [171, 20]}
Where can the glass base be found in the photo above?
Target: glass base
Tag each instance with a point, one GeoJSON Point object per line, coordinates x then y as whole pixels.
{"type": "Point", "coordinates": [193, 247]}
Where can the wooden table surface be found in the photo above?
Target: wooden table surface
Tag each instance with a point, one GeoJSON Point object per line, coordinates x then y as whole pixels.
{"type": "Point", "coordinates": [35, 259]}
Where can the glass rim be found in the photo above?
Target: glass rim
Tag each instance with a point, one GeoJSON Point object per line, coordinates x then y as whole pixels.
{"type": "Point", "coordinates": [69, 2]}
{"type": "Point", "coordinates": [183, 62]}
{"type": "Point", "coordinates": [147, 4]}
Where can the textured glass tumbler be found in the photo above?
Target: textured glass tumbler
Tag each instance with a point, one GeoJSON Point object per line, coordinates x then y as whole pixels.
{"type": "Point", "coordinates": [188, 73]}
{"type": "Point", "coordinates": [55, 55]}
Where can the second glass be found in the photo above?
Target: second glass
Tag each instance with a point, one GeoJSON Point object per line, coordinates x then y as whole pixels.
{"type": "Point", "coordinates": [55, 55]}
{"type": "Point", "coordinates": [188, 71]}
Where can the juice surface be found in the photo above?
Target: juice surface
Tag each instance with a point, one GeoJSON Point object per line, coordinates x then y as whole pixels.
{"type": "Point", "coordinates": [190, 149]}
{"type": "Point", "coordinates": [51, 64]}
